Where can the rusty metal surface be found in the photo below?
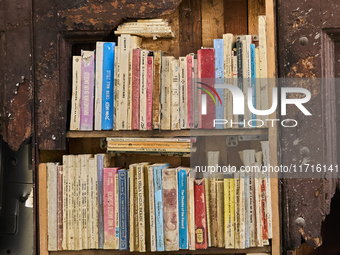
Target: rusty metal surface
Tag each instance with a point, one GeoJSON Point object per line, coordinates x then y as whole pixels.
{"type": "Point", "coordinates": [56, 28]}
{"type": "Point", "coordinates": [302, 53]}
{"type": "Point", "coordinates": [16, 86]}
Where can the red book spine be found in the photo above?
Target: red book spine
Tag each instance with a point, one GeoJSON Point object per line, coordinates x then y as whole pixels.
{"type": "Point", "coordinates": [263, 211]}
{"type": "Point", "coordinates": [149, 84]}
{"type": "Point", "coordinates": [200, 216]}
{"type": "Point", "coordinates": [60, 207]}
{"type": "Point", "coordinates": [206, 70]}
{"type": "Point", "coordinates": [135, 89]}
{"type": "Point", "coordinates": [199, 92]}
{"type": "Point", "coordinates": [190, 76]}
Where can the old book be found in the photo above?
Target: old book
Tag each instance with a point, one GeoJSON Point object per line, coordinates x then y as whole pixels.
{"type": "Point", "coordinates": [239, 53]}
{"type": "Point", "coordinates": [263, 64]}
{"type": "Point", "coordinates": [183, 104]}
{"type": "Point", "coordinates": [242, 233]}
{"type": "Point", "coordinates": [237, 209]}
{"type": "Point", "coordinates": [156, 89]}
{"type": "Point", "coordinates": [182, 208]}
{"type": "Point", "coordinates": [220, 212]}
{"type": "Point", "coordinates": [93, 206]}
{"type": "Point", "coordinates": [136, 55]}
{"type": "Point", "coordinates": [191, 212]}
{"type": "Point", "coordinates": [107, 86]}
{"type": "Point", "coordinates": [117, 86]}
{"type": "Point", "coordinates": [71, 201]}
{"type": "Point", "coordinates": [124, 81]}
{"type": "Point", "coordinates": [190, 84]}
{"type": "Point", "coordinates": [65, 202]}
{"type": "Point", "coordinates": [135, 42]}
{"type": "Point", "coordinates": [257, 80]}
{"type": "Point", "coordinates": [219, 62]}
{"type": "Point", "coordinates": [229, 213]}
{"type": "Point", "coordinates": [152, 215]}
{"type": "Point", "coordinates": [60, 207]}
{"type": "Point", "coordinates": [170, 209]}
{"type": "Point", "coordinates": [149, 85]}
{"type": "Point", "coordinates": [117, 204]}
{"type": "Point", "coordinates": [235, 82]}
{"type": "Point", "coordinates": [78, 195]}
{"type": "Point", "coordinates": [175, 112]}
{"type": "Point", "coordinates": [207, 206]}
{"type": "Point", "coordinates": [98, 95]}
{"type": "Point", "coordinates": [200, 215]}
{"type": "Point", "coordinates": [147, 209]}
{"type": "Point", "coordinates": [76, 93]}
{"type": "Point", "coordinates": [43, 216]}
{"type": "Point", "coordinates": [123, 182]}
{"type": "Point", "coordinates": [166, 93]}
{"type": "Point", "coordinates": [253, 83]}
{"type": "Point", "coordinates": [142, 89]}
{"type": "Point", "coordinates": [197, 95]}
{"type": "Point", "coordinates": [132, 205]}
{"type": "Point", "coordinates": [52, 202]}
{"type": "Point", "coordinates": [84, 193]}
{"type": "Point", "coordinates": [87, 90]}
{"type": "Point", "coordinates": [246, 41]}
{"type": "Point", "coordinates": [258, 217]}
{"type": "Point", "coordinates": [206, 73]}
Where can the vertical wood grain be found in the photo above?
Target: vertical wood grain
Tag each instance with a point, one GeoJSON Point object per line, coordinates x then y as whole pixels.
{"type": "Point", "coordinates": [255, 8]}
{"type": "Point", "coordinates": [235, 17]}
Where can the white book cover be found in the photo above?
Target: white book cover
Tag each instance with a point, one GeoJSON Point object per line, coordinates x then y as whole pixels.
{"type": "Point", "coordinates": [166, 94]}
{"type": "Point", "coordinates": [52, 209]}
{"type": "Point", "coordinates": [116, 88]}
{"type": "Point", "coordinates": [142, 89]}
{"type": "Point", "coordinates": [75, 203]}
{"type": "Point", "coordinates": [76, 93]}
{"type": "Point", "coordinates": [124, 81]}
{"type": "Point", "coordinates": [65, 202]}
{"type": "Point", "coordinates": [91, 203]}
{"type": "Point", "coordinates": [78, 194]}
{"type": "Point", "coordinates": [71, 202]}
{"type": "Point", "coordinates": [175, 111]}
{"type": "Point", "coordinates": [98, 87]}
{"type": "Point", "coordinates": [183, 104]}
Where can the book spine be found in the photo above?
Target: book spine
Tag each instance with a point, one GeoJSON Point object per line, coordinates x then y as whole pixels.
{"type": "Point", "coordinates": [220, 212]}
{"type": "Point", "coordinates": [235, 82]}
{"type": "Point", "coordinates": [65, 202]}
{"type": "Point", "coordinates": [206, 73]}
{"type": "Point", "coordinates": [71, 200]}
{"type": "Point", "coordinates": [247, 208]}
{"type": "Point", "coordinates": [246, 74]}
{"type": "Point", "coordinates": [135, 218]}
{"type": "Point", "coordinates": [117, 86]}
{"type": "Point", "coordinates": [191, 214]}
{"type": "Point", "coordinates": [98, 86]}
{"type": "Point", "coordinates": [258, 218]}
{"type": "Point", "coordinates": [237, 209]}
{"type": "Point", "coordinates": [239, 51]}
{"type": "Point", "coordinates": [170, 209]}
{"type": "Point", "coordinates": [182, 206]}
{"type": "Point", "coordinates": [100, 187]}
{"type": "Point", "coordinates": [263, 64]}
{"type": "Point", "coordinates": [141, 208]}
{"type": "Point", "coordinates": [257, 80]}
{"type": "Point", "coordinates": [151, 197]}
{"type": "Point", "coordinates": [87, 90]}
{"type": "Point", "coordinates": [199, 91]}
{"type": "Point", "coordinates": [84, 183]}
{"type": "Point", "coordinates": [123, 210]}
{"type": "Point", "coordinates": [124, 81]}
{"type": "Point", "coordinates": [142, 90]}
{"type": "Point", "coordinates": [175, 113]}
{"type": "Point", "coordinates": [200, 216]}
{"type": "Point", "coordinates": [52, 203]}
{"type": "Point", "coordinates": [96, 205]}
{"type": "Point", "coordinates": [264, 211]}
{"type": "Point", "coordinates": [43, 217]}
{"type": "Point", "coordinates": [219, 111]}
{"type": "Point", "coordinates": [135, 88]}
{"type": "Point", "coordinates": [253, 82]}
{"type": "Point", "coordinates": [183, 104]}
{"type": "Point", "coordinates": [157, 171]}
{"type": "Point", "coordinates": [229, 213]}
{"type": "Point", "coordinates": [242, 212]}
{"type": "Point", "coordinates": [132, 205]}
{"type": "Point", "coordinates": [107, 86]}
{"type": "Point", "coordinates": [76, 93]}
{"type": "Point", "coordinates": [149, 84]}
{"type": "Point", "coordinates": [60, 208]}
{"type": "Point", "coordinates": [207, 208]}
{"type": "Point", "coordinates": [190, 83]}
{"type": "Point", "coordinates": [117, 208]}
{"type": "Point", "coordinates": [77, 196]}
{"type": "Point", "coordinates": [156, 89]}
{"type": "Point", "coordinates": [166, 94]}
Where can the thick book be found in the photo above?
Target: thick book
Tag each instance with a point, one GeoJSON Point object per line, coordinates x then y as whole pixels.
{"type": "Point", "coordinates": [200, 215]}
{"type": "Point", "coordinates": [60, 207]}
{"type": "Point", "coordinates": [166, 93]}
{"type": "Point", "coordinates": [52, 205]}
{"type": "Point", "coordinates": [76, 93]}
{"type": "Point", "coordinates": [136, 54]}
{"type": "Point", "coordinates": [156, 89]}
{"type": "Point", "coordinates": [206, 75]}
{"type": "Point", "coordinates": [109, 207]}
{"type": "Point", "coordinates": [182, 207]}
{"type": "Point", "coordinates": [149, 85]}
{"type": "Point", "coordinates": [98, 95]}
{"type": "Point", "coordinates": [175, 110]}
{"type": "Point", "coordinates": [190, 83]}
{"type": "Point", "coordinates": [183, 104]}
{"type": "Point", "coordinates": [219, 108]}
{"type": "Point", "coordinates": [170, 209]}
{"type": "Point", "coordinates": [108, 86]}
{"type": "Point", "coordinates": [123, 182]}
{"type": "Point", "coordinates": [87, 90]}
{"type": "Point", "coordinates": [142, 89]}
{"type": "Point", "coordinates": [157, 172]}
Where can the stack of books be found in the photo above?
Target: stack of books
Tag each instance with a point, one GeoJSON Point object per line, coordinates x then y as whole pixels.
{"type": "Point", "coordinates": [155, 207]}
{"type": "Point", "coordinates": [120, 86]}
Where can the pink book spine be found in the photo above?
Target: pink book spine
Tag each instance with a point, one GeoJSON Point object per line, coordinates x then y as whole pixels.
{"type": "Point", "coordinates": [199, 93]}
{"type": "Point", "coordinates": [190, 76]}
{"type": "Point", "coordinates": [87, 90]}
{"type": "Point", "coordinates": [109, 207]}
{"type": "Point", "coordinates": [135, 88]}
{"type": "Point", "coordinates": [149, 83]}
{"type": "Point", "coordinates": [60, 207]}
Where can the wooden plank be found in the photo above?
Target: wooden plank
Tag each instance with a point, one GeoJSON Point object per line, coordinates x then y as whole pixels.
{"type": "Point", "coordinates": [208, 251]}
{"type": "Point", "coordinates": [235, 17]}
{"type": "Point", "coordinates": [42, 187]}
{"type": "Point", "coordinates": [212, 21]}
{"type": "Point", "coordinates": [167, 133]}
{"type": "Point", "coordinates": [170, 47]}
{"type": "Point", "coordinates": [255, 8]}
{"type": "Point", "coordinates": [190, 23]}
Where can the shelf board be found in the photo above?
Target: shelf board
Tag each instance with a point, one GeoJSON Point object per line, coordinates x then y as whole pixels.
{"type": "Point", "coordinates": [167, 133]}
{"type": "Point", "coordinates": [265, 249]}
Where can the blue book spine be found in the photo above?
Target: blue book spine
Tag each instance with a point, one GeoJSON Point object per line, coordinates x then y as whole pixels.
{"type": "Point", "coordinates": [157, 177]}
{"type": "Point", "coordinates": [182, 207]}
{"type": "Point", "coordinates": [218, 45]}
{"type": "Point", "coordinates": [100, 165]}
{"type": "Point", "coordinates": [123, 210]}
{"type": "Point", "coordinates": [246, 202]}
{"type": "Point", "coordinates": [253, 81]}
{"type": "Point", "coordinates": [108, 84]}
